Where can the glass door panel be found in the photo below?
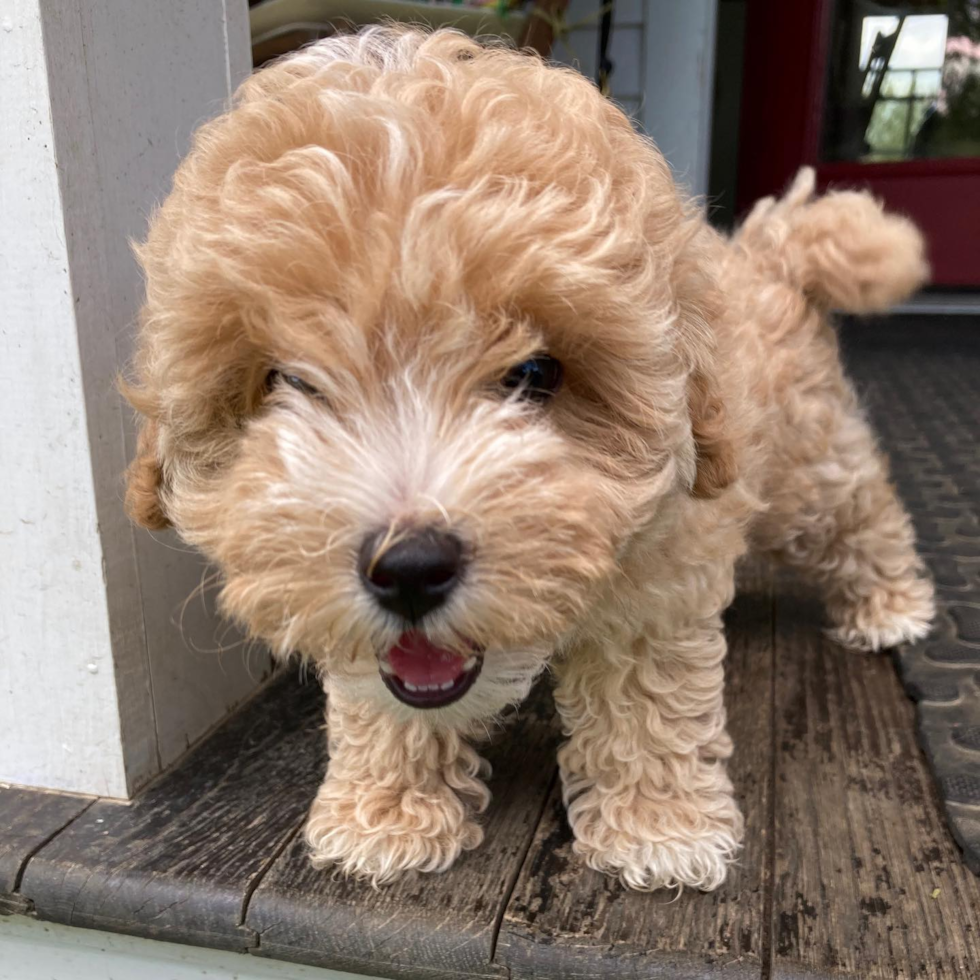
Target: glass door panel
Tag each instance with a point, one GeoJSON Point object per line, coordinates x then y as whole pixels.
{"type": "Point", "coordinates": [903, 81]}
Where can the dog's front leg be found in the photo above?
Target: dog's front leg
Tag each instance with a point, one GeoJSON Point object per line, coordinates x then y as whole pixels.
{"type": "Point", "coordinates": [398, 796]}
{"type": "Point", "coordinates": [643, 769]}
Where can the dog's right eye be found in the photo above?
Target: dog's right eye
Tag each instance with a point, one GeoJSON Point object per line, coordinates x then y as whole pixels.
{"type": "Point", "coordinates": [537, 379]}
{"type": "Point", "coordinates": [276, 376]}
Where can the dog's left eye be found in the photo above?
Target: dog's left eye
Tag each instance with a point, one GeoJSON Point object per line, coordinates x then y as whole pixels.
{"type": "Point", "coordinates": [538, 378]}
{"type": "Point", "coordinates": [293, 380]}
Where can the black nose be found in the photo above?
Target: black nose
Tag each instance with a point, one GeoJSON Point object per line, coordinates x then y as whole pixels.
{"type": "Point", "coordinates": [415, 575]}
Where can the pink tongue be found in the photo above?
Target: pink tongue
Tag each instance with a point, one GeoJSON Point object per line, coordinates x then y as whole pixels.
{"type": "Point", "coordinates": [417, 661]}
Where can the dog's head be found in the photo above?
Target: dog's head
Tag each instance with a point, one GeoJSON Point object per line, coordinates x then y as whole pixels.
{"type": "Point", "coordinates": [422, 353]}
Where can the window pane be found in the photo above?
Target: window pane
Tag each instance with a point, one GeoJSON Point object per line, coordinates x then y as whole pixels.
{"type": "Point", "coordinates": [928, 82]}
{"type": "Point", "coordinates": [896, 84]}
{"type": "Point", "coordinates": [886, 131]}
{"type": "Point", "coordinates": [921, 42]}
{"type": "Point", "coordinates": [903, 80]}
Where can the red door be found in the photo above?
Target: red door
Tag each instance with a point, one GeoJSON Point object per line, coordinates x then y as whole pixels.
{"type": "Point", "coordinates": [882, 94]}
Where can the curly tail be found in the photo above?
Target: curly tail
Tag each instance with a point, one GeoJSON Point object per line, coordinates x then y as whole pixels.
{"type": "Point", "coordinates": [842, 250]}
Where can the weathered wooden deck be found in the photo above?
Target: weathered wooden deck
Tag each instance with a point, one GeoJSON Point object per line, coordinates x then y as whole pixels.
{"type": "Point", "coordinates": [849, 868]}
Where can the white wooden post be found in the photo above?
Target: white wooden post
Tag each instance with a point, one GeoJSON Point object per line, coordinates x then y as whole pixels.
{"type": "Point", "coordinates": [101, 685]}
{"type": "Point", "coordinates": [678, 64]}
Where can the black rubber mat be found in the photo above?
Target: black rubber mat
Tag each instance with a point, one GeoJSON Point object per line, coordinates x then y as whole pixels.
{"type": "Point", "coordinates": [920, 380]}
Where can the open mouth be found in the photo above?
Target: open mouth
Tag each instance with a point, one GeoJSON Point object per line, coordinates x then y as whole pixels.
{"type": "Point", "coordinates": [424, 675]}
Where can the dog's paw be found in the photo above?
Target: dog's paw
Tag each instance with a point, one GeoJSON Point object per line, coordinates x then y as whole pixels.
{"type": "Point", "coordinates": [648, 865]}
{"type": "Point", "coordinates": [668, 855]}
{"type": "Point", "coordinates": [889, 616]}
{"type": "Point", "coordinates": [377, 834]}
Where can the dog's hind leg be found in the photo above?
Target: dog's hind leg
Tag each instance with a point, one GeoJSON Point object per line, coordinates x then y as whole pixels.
{"type": "Point", "coordinates": [834, 514]}
{"type": "Point", "coordinates": [832, 510]}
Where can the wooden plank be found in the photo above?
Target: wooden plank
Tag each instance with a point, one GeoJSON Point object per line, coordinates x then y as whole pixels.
{"type": "Point", "coordinates": [426, 925]}
{"type": "Point", "coordinates": [868, 882]}
{"type": "Point", "coordinates": [566, 921]}
{"type": "Point", "coordinates": [178, 864]}
{"type": "Point", "coordinates": [28, 819]}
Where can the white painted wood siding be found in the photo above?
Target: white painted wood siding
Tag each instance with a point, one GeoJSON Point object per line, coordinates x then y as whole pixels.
{"type": "Point", "coordinates": [59, 721]}
{"type": "Point", "coordinates": [105, 675]}
{"type": "Point", "coordinates": [625, 49]}
{"type": "Point", "coordinates": [663, 57]}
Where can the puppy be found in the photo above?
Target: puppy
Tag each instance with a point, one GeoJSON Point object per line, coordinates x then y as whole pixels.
{"type": "Point", "coordinates": [449, 380]}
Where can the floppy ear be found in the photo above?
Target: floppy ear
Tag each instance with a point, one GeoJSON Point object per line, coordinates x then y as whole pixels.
{"type": "Point", "coordinates": [144, 479]}
{"type": "Point", "coordinates": [716, 460]}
